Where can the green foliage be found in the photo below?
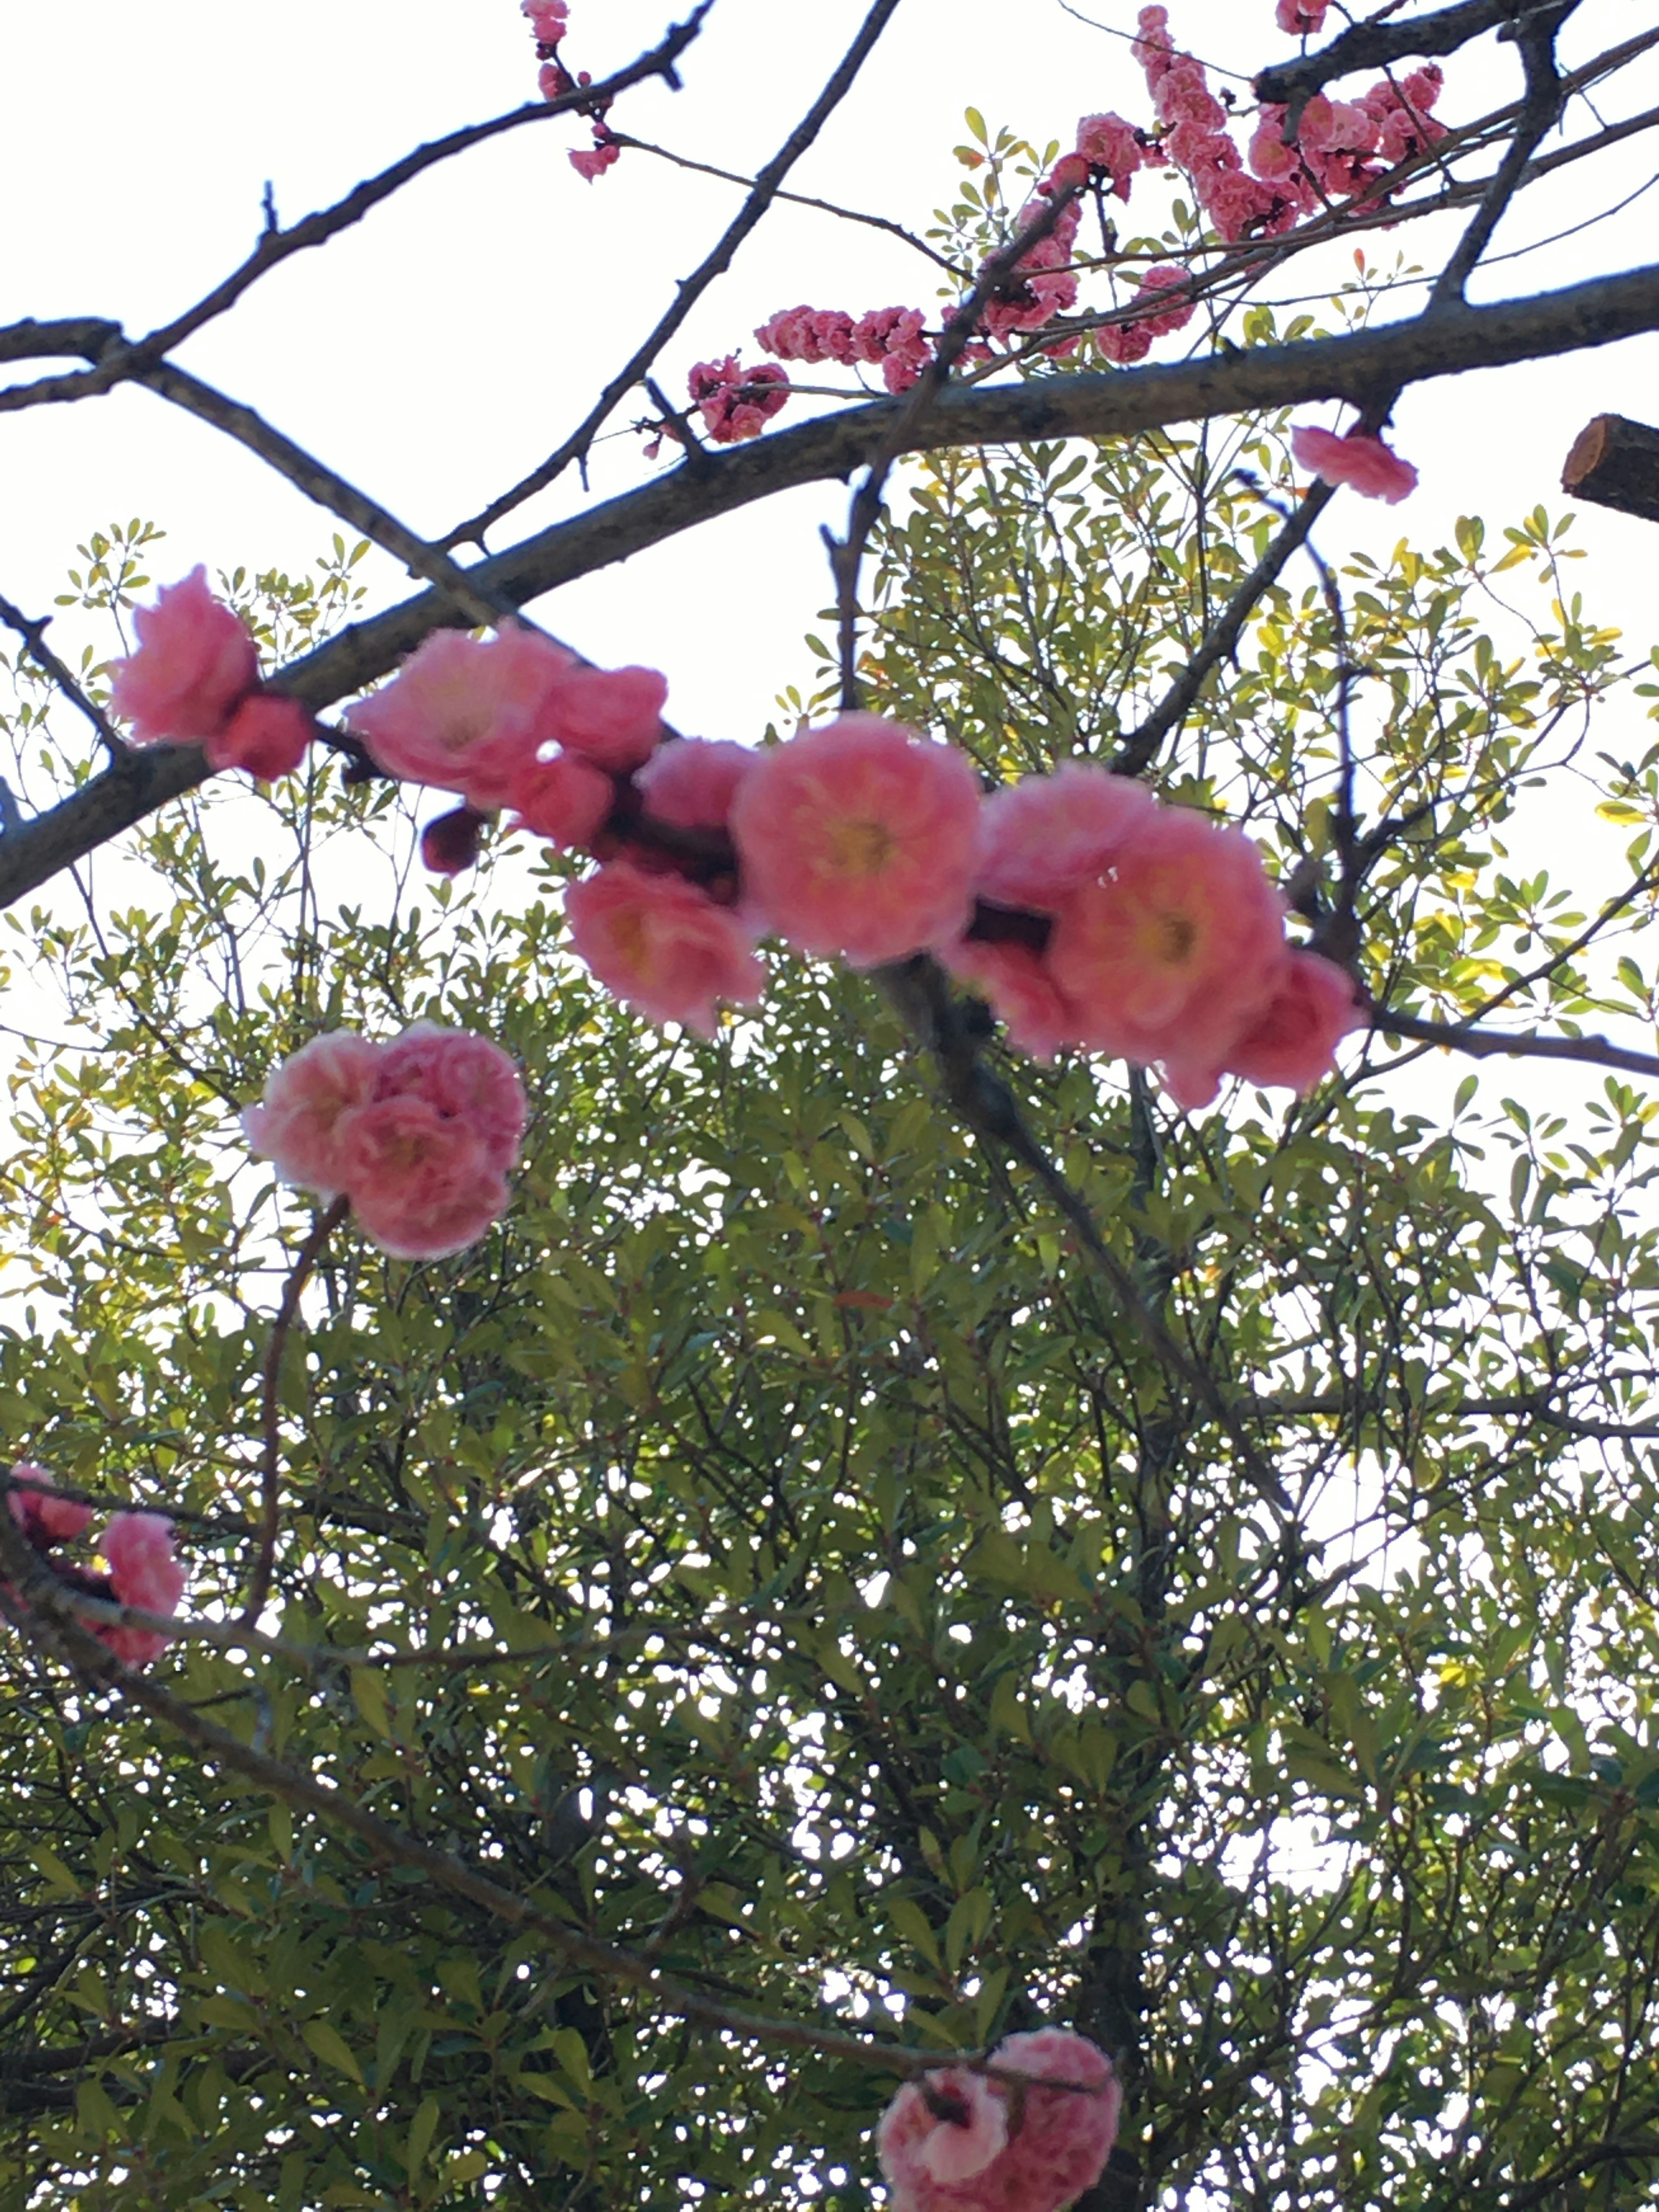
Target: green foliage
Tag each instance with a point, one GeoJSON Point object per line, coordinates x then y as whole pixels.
{"type": "Point", "coordinates": [873, 1626]}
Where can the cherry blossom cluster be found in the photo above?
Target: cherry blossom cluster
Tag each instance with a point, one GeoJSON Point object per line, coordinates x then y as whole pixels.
{"type": "Point", "coordinates": [419, 1135]}
{"type": "Point", "coordinates": [891, 339]}
{"type": "Point", "coordinates": [960, 2141]}
{"type": "Point", "coordinates": [548, 21]}
{"type": "Point", "coordinates": [139, 1566]}
{"type": "Point", "coordinates": [194, 680]}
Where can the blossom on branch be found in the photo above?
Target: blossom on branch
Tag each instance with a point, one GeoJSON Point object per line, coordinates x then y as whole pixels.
{"type": "Point", "coordinates": [43, 1518]}
{"type": "Point", "coordinates": [1106, 143]}
{"type": "Point", "coordinates": [956, 2141]}
{"type": "Point", "coordinates": [662, 945]}
{"type": "Point", "coordinates": [603, 153]}
{"type": "Point", "coordinates": [691, 784]}
{"type": "Point", "coordinates": [736, 402]}
{"type": "Point", "coordinates": [565, 799]}
{"type": "Point", "coordinates": [859, 839]}
{"type": "Point", "coordinates": [268, 735]}
{"type": "Point", "coordinates": [1362, 462]}
{"type": "Point", "coordinates": [195, 663]}
{"type": "Point", "coordinates": [1302, 18]}
{"type": "Point", "coordinates": [464, 714]}
{"type": "Point", "coordinates": [144, 1572]}
{"type": "Point", "coordinates": [419, 1135]}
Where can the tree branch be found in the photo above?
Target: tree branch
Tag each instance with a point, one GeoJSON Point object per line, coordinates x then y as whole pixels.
{"type": "Point", "coordinates": [33, 635]}
{"type": "Point", "coordinates": [1059, 405]}
{"type": "Point", "coordinates": [692, 288]}
{"type": "Point", "coordinates": [1378, 44]}
{"type": "Point", "coordinates": [117, 361]}
{"type": "Point", "coordinates": [1519, 1044]}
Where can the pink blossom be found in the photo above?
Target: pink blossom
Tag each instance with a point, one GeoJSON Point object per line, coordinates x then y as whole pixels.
{"type": "Point", "coordinates": [421, 1182]}
{"type": "Point", "coordinates": [298, 1125]}
{"type": "Point", "coordinates": [1107, 142]}
{"type": "Point", "coordinates": [857, 838]}
{"type": "Point", "coordinates": [691, 784]}
{"type": "Point", "coordinates": [195, 662]}
{"type": "Point", "coordinates": [1183, 96]}
{"type": "Point", "coordinates": [1154, 49]}
{"type": "Point", "coordinates": [735, 402]}
{"type": "Point", "coordinates": [1170, 284]}
{"type": "Point", "coordinates": [1302, 18]}
{"type": "Point", "coordinates": [792, 334]}
{"type": "Point", "coordinates": [593, 161]}
{"type": "Point", "coordinates": [565, 799]}
{"type": "Point", "coordinates": [451, 842]}
{"type": "Point", "coordinates": [43, 1518]}
{"type": "Point", "coordinates": [462, 714]}
{"type": "Point", "coordinates": [1234, 201]}
{"type": "Point", "coordinates": [1014, 981]}
{"type": "Point", "coordinates": [1293, 1042]}
{"type": "Point", "coordinates": [1371, 467]}
{"type": "Point", "coordinates": [268, 735]}
{"type": "Point", "coordinates": [144, 1572]}
{"type": "Point", "coordinates": [661, 945]}
{"type": "Point", "coordinates": [1047, 835]}
{"type": "Point", "coordinates": [1176, 951]}
{"type": "Point", "coordinates": [1054, 2143]}
{"type": "Point", "coordinates": [611, 717]}
{"type": "Point", "coordinates": [1269, 156]}
{"type": "Point", "coordinates": [463, 1077]}
{"type": "Point", "coordinates": [1124, 342]}
{"type": "Point", "coordinates": [549, 18]}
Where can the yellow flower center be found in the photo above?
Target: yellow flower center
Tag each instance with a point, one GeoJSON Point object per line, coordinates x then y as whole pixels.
{"type": "Point", "coordinates": [856, 846]}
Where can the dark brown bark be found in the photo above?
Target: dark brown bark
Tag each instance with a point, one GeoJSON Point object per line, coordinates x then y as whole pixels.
{"type": "Point", "coordinates": [1616, 462]}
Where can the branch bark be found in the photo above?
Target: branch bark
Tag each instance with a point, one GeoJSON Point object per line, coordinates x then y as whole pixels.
{"type": "Point", "coordinates": [1061, 405]}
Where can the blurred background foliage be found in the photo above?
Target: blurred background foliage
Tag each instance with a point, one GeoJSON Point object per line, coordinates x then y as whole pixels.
{"type": "Point", "coordinates": [875, 1631]}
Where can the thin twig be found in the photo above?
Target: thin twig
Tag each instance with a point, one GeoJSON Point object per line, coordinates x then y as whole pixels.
{"type": "Point", "coordinates": [117, 360]}
{"type": "Point", "coordinates": [33, 635]}
{"type": "Point", "coordinates": [691, 291]}
{"type": "Point", "coordinates": [270, 1408]}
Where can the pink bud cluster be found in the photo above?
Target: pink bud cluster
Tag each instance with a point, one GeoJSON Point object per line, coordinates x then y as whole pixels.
{"type": "Point", "coordinates": [736, 402]}
{"type": "Point", "coordinates": [137, 1551]}
{"type": "Point", "coordinates": [958, 2141]}
{"type": "Point", "coordinates": [419, 1134]}
{"type": "Point", "coordinates": [889, 338]}
{"type": "Point", "coordinates": [194, 680]}
{"type": "Point", "coordinates": [1108, 922]}
{"type": "Point", "coordinates": [1343, 148]}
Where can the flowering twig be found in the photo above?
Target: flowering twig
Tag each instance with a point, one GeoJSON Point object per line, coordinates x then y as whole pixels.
{"type": "Point", "coordinates": [691, 291]}
{"type": "Point", "coordinates": [270, 1408]}
{"type": "Point", "coordinates": [117, 360]}
{"type": "Point", "coordinates": [1520, 1044]}
{"type": "Point", "coordinates": [1378, 45]}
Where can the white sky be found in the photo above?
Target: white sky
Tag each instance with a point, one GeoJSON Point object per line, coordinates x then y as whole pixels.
{"type": "Point", "coordinates": [450, 340]}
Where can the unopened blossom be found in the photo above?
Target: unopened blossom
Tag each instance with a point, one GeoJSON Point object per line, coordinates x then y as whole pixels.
{"type": "Point", "coordinates": [144, 1573]}
{"type": "Point", "coordinates": [1153, 48]}
{"type": "Point", "coordinates": [297, 1125]}
{"type": "Point", "coordinates": [462, 1077]}
{"type": "Point", "coordinates": [690, 784]}
{"type": "Point", "coordinates": [464, 714]}
{"type": "Point", "coordinates": [611, 717]}
{"type": "Point", "coordinates": [1302, 18]}
{"type": "Point", "coordinates": [1047, 835]}
{"type": "Point", "coordinates": [43, 1518]}
{"type": "Point", "coordinates": [1108, 143]}
{"type": "Point", "coordinates": [565, 799]}
{"type": "Point", "coordinates": [859, 839]}
{"type": "Point", "coordinates": [964, 2142]}
{"type": "Point", "coordinates": [268, 735]}
{"type": "Point", "coordinates": [662, 945]}
{"type": "Point", "coordinates": [422, 1182]}
{"type": "Point", "coordinates": [451, 842]}
{"type": "Point", "coordinates": [736, 403]}
{"type": "Point", "coordinates": [194, 664]}
{"type": "Point", "coordinates": [1371, 467]}
{"type": "Point", "coordinates": [1177, 950]}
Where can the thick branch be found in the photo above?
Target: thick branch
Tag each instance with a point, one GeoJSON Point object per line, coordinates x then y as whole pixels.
{"type": "Point", "coordinates": [692, 288]}
{"type": "Point", "coordinates": [1053, 406]}
{"type": "Point", "coordinates": [1378, 45]}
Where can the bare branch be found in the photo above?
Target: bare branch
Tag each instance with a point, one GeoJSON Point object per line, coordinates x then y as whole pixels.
{"type": "Point", "coordinates": [85, 334]}
{"type": "Point", "coordinates": [1378, 44]}
{"type": "Point", "coordinates": [692, 288]}
{"type": "Point", "coordinates": [1520, 1044]}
